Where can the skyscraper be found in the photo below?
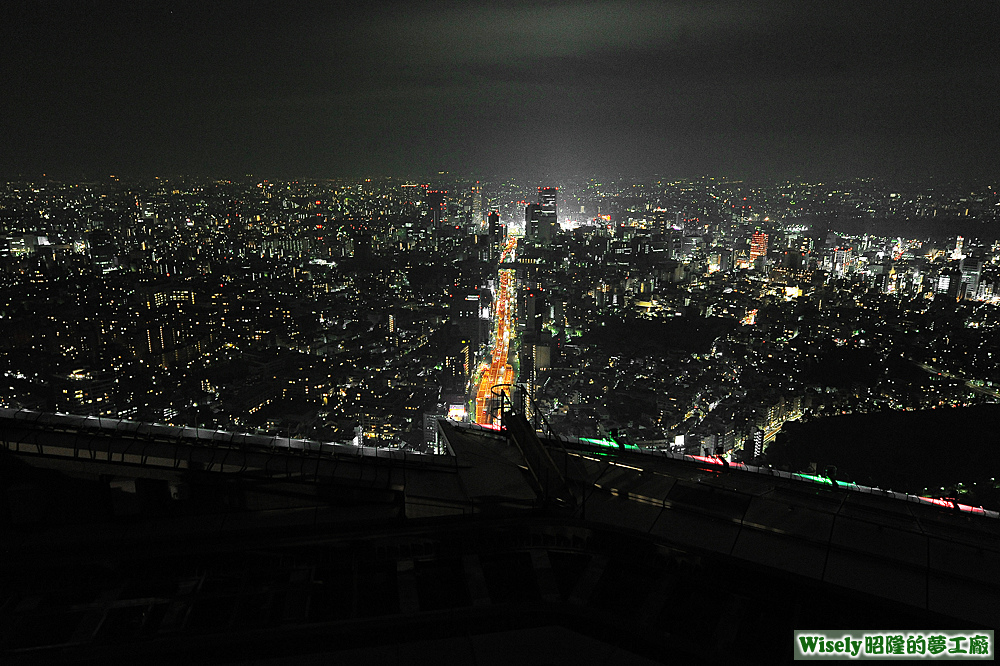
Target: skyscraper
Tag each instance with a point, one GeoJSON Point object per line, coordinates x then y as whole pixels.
{"type": "Point", "coordinates": [103, 250]}
{"type": "Point", "coordinates": [540, 218]}
{"type": "Point", "coordinates": [548, 215]}
{"type": "Point", "coordinates": [435, 205]}
{"type": "Point", "coordinates": [476, 206]}
{"type": "Point", "coordinates": [758, 246]}
{"type": "Point", "coordinates": [495, 230]}
{"type": "Point", "coordinates": [547, 197]}
{"type": "Point", "coordinates": [532, 219]}
{"type": "Point", "coordinates": [956, 254]}
{"type": "Point", "coordinates": [496, 234]}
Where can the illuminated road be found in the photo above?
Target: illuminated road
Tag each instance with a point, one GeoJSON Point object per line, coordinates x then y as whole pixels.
{"type": "Point", "coordinates": [930, 369]}
{"type": "Point", "coordinates": [505, 312]}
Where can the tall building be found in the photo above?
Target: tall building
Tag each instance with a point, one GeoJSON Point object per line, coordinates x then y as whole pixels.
{"type": "Point", "coordinates": [758, 245]}
{"type": "Point", "coordinates": [496, 234]}
{"type": "Point", "coordinates": [532, 219]}
{"type": "Point", "coordinates": [495, 229]}
{"type": "Point", "coordinates": [476, 206]}
{"type": "Point", "coordinates": [549, 218]}
{"type": "Point", "coordinates": [971, 276]}
{"type": "Point", "coordinates": [103, 251]}
{"type": "Point", "coordinates": [956, 254]}
{"type": "Point", "coordinates": [547, 197]}
{"type": "Point", "coordinates": [540, 218]}
{"type": "Point", "coordinates": [435, 206]}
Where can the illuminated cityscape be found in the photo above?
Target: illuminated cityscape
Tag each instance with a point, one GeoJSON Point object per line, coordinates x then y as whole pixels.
{"type": "Point", "coordinates": [697, 316]}
{"type": "Point", "coordinates": [496, 371]}
{"type": "Point", "coordinates": [492, 333]}
{"type": "Point", "coordinates": [750, 328]}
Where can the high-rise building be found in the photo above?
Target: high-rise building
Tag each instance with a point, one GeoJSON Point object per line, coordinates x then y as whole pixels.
{"type": "Point", "coordinates": [495, 230]}
{"type": "Point", "coordinates": [476, 206]}
{"type": "Point", "coordinates": [971, 276]}
{"type": "Point", "coordinates": [548, 215]}
{"type": "Point", "coordinates": [547, 197]}
{"type": "Point", "coordinates": [758, 245]}
{"type": "Point", "coordinates": [496, 234]}
{"type": "Point", "coordinates": [435, 205]}
{"type": "Point", "coordinates": [956, 254]}
{"type": "Point", "coordinates": [540, 218]}
{"type": "Point", "coordinates": [103, 251]}
{"type": "Point", "coordinates": [532, 219]}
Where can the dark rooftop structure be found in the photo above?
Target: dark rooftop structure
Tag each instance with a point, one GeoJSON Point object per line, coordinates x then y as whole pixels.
{"type": "Point", "coordinates": [165, 544]}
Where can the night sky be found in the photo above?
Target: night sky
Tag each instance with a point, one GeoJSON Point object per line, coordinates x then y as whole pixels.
{"type": "Point", "coordinates": [288, 89]}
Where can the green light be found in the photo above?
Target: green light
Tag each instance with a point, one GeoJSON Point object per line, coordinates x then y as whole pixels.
{"type": "Point", "coordinates": [826, 480]}
{"type": "Point", "coordinates": [609, 444]}
{"type": "Point", "coordinates": [815, 479]}
{"type": "Point", "coordinates": [599, 442]}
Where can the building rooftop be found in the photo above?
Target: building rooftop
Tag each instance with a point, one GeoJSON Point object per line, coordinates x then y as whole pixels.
{"type": "Point", "coordinates": [173, 544]}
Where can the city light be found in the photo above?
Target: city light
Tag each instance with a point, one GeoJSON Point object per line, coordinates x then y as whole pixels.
{"type": "Point", "coordinates": [704, 332]}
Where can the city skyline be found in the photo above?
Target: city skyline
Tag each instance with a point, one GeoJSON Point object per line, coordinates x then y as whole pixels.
{"type": "Point", "coordinates": [764, 375]}
{"type": "Point", "coordinates": [494, 332]}
{"type": "Point", "coordinates": [357, 310]}
{"type": "Point", "coordinates": [823, 91]}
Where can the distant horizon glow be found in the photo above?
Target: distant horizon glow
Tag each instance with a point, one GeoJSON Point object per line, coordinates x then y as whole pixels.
{"type": "Point", "coordinates": [679, 89]}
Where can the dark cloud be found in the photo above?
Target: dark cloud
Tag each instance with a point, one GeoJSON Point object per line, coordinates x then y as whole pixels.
{"type": "Point", "coordinates": [769, 88]}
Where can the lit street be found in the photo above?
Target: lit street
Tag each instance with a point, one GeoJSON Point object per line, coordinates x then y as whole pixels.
{"type": "Point", "coordinates": [505, 312]}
